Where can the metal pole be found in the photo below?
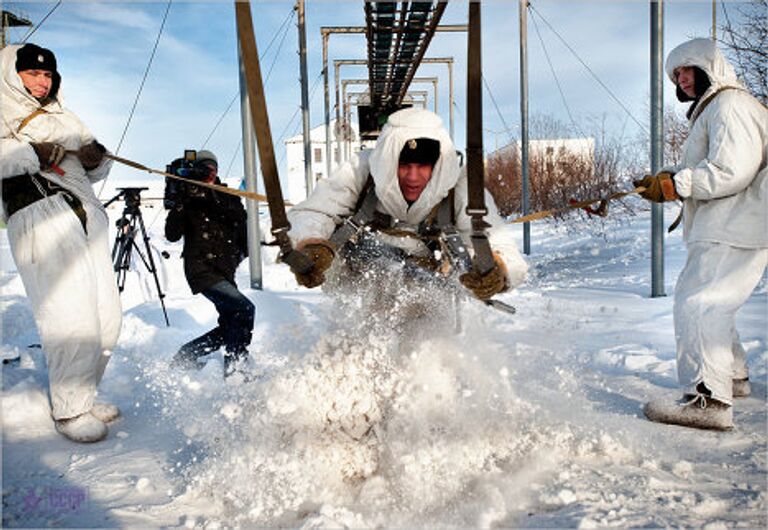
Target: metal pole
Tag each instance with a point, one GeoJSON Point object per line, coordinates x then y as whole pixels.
{"type": "Point", "coordinates": [327, 107]}
{"type": "Point", "coordinates": [657, 143]}
{"type": "Point", "coordinates": [524, 119]}
{"type": "Point", "coordinates": [450, 98]}
{"type": "Point", "coordinates": [336, 72]}
{"type": "Point", "coordinates": [249, 166]}
{"type": "Point", "coordinates": [308, 178]}
{"type": "Point", "coordinates": [714, 20]}
{"type": "Point", "coordinates": [434, 87]}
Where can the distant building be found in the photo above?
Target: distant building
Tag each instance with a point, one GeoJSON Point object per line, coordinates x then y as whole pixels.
{"type": "Point", "coordinates": [296, 190]}
{"type": "Point", "coordinates": [550, 150]}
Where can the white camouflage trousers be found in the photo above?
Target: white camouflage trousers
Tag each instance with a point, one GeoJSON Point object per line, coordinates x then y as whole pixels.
{"type": "Point", "coordinates": [70, 283]}
{"type": "Point", "coordinates": [716, 281]}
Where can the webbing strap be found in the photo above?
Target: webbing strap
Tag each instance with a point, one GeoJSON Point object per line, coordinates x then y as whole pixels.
{"type": "Point", "coordinates": [29, 118]}
{"type": "Point", "coordinates": [297, 260]}
{"type": "Point", "coordinates": [356, 222]}
{"type": "Point", "coordinates": [476, 208]}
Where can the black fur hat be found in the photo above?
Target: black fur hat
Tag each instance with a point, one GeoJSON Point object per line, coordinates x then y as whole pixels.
{"type": "Point", "coordinates": [33, 57]}
{"type": "Point", "coordinates": [420, 151]}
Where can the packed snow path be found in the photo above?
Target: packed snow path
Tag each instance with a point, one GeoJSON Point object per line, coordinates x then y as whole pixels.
{"type": "Point", "coordinates": [531, 420]}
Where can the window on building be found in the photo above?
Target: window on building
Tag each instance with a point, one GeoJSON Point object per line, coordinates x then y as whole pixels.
{"type": "Point", "coordinates": [318, 154]}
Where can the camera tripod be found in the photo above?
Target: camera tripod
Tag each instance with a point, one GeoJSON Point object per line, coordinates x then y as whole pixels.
{"type": "Point", "coordinates": [128, 227]}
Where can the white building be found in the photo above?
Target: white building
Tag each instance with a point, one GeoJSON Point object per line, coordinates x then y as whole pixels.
{"type": "Point", "coordinates": [549, 150]}
{"type": "Point", "coordinates": [296, 189]}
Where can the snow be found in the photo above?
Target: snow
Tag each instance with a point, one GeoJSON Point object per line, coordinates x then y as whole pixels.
{"type": "Point", "coordinates": [369, 420]}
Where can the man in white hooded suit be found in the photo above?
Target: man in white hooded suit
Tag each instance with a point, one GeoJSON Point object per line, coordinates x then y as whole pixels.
{"type": "Point", "coordinates": [405, 179]}
{"type": "Point", "coordinates": [58, 235]}
{"type": "Point", "coordinates": [723, 183]}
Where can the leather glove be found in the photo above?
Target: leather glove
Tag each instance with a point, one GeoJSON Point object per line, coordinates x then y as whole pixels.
{"type": "Point", "coordinates": [49, 154]}
{"type": "Point", "coordinates": [658, 188]}
{"type": "Point", "coordinates": [91, 155]}
{"type": "Point", "coordinates": [491, 283]}
{"type": "Point", "coordinates": [321, 252]}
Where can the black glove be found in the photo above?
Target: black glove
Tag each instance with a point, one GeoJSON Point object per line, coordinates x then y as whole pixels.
{"type": "Point", "coordinates": [49, 154]}
{"type": "Point", "coordinates": [321, 252]}
{"type": "Point", "coordinates": [91, 155]}
{"type": "Point", "coordinates": [491, 283]}
{"type": "Point", "coordinates": [658, 188]}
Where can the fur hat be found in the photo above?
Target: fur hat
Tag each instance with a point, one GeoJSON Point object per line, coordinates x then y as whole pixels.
{"type": "Point", "coordinates": [420, 151]}
{"type": "Point", "coordinates": [33, 57]}
{"type": "Point", "coordinates": [207, 156]}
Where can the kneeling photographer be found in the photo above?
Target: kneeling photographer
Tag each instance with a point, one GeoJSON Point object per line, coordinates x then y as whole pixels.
{"type": "Point", "coordinates": [213, 226]}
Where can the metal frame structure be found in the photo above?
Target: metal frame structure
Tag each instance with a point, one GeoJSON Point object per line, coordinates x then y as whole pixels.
{"type": "Point", "coordinates": [326, 32]}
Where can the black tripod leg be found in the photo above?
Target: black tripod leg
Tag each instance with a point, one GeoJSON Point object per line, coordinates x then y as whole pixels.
{"type": "Point", "coordinates": [151, 266]}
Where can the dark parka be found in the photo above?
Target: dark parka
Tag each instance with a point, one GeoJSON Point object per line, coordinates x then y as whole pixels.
{"type": "Point", "coordinates": [213, 226]}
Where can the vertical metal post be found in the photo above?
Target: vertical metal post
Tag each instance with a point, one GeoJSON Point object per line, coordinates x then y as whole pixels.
{"type": "Point", "coordinates": [524, 120]}
{"type": "Point", "coordinates": [327, 107]}
{"type": "Point", "coordinates": [434, 88]}
{"type": "Point", "coordinates": [339, 103]}
{"type": "Point", "coordinates": [249, 166]}
{"type": "Point", "coordinates": [308, 178]}
{"type": "Point", "coordinates": [450, 97]}
{"type": "Point", "coordinates": [714, 20]}
{"type": "Point", "coordinates": [657, 143]}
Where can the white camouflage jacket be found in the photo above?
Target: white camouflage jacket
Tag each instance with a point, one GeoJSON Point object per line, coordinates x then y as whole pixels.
{"type": "Point", "coordinates": [335, 198]}
{"type": "Point", "coordinates": [56, 124]}
{"type": "Point", "coordinates": [723, 176]}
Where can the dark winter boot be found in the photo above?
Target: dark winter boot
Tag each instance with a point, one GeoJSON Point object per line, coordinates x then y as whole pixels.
{"type": "Point", "coordinates": [236, 362]}
{"type": "Point", "coordinates": [698, 410]}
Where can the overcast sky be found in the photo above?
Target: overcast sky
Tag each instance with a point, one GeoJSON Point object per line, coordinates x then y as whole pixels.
{"type": "Point", "coordinates": [103, 49]}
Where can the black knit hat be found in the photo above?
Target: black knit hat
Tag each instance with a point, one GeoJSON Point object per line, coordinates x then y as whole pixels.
{"type": "Point", "coordinates": [33, 57]}
{"type": "Point", "coordinates": [420, 151]}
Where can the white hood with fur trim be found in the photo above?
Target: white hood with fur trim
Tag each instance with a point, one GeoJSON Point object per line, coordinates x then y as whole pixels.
{"type": "Point", "coordinates": [335, 198]}
{"type": "Point", "coordinates": [723, 176]}
{"type": "Point", "coordinates": [56, 124]}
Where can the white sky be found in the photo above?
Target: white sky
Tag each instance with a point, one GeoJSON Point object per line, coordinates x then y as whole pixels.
{"type": "Point", "coordinates": [103, 49]}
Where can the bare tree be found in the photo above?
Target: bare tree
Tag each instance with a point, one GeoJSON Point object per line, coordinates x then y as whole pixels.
{"type": "Point", "coordinates": [745, 36]}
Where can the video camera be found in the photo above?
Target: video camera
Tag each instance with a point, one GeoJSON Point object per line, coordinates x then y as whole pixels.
{"type": "Point", "coordinates": [189, 168]}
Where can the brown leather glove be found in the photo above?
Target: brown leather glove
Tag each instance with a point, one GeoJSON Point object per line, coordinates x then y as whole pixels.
{"type": "Point", "coordinates": [658, 188]}
{"type": "Point", "coordinates": [491, 283]}
{"type": "Point", "coordinates": [321, 252]}
{"type": "Point", "coordinates": [91, 155]}
{"type": "Point", "coordinates": [49, 154]}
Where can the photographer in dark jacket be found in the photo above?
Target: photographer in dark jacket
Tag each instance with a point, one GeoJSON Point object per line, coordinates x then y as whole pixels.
{"type": "Point", "coordinates": [213, 226]}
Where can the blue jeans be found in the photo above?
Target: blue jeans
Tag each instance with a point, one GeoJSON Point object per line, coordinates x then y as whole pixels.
{"type": "Point", "coordinates": [235, 327]}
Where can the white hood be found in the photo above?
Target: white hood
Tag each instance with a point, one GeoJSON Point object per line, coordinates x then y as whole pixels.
{"type": "Point", "coordinates": [704, 54]}
{"type": "Point", "coordinates": [401, 127]}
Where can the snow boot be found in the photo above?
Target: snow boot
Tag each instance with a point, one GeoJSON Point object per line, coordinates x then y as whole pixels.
{"type": "Point", "coordinates": [85, 428]}
{"type": "Point", "coordinates": [105, 412]}
{"type": "Point", "coordinates": [741, 387]}
{"type": "Point", "coordinates": [693, 410]}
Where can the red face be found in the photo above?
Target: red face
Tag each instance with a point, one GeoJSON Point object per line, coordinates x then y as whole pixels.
{"type": "Point", "coordinates": [413, 178]}
{"type": "Point", "coordinates": [686, 81]}
{"type": "Point", "coordinates": [213, 171]}
{"type": "Point", "coordinates": [37, 82]}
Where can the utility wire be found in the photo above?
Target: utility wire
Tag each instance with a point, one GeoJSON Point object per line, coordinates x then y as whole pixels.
{"type": "Point", "coordinates": [144, 79]}
{"type": "Point", "coordinates": [141, 88]}
{"type": "Point", "coordinates": [605, 87]}
{"type": "Point", "coordinates": [498, 111]}
{"type": "Point", "coordinates": [37, 26]}
{"type": "Point", "coordinates": [263, 55]}
{"type": "Point", "coordinates": [557, 81]}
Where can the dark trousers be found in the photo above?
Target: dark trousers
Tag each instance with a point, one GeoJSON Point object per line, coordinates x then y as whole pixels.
{"type": "Point", "coordinates": [235, 324]}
